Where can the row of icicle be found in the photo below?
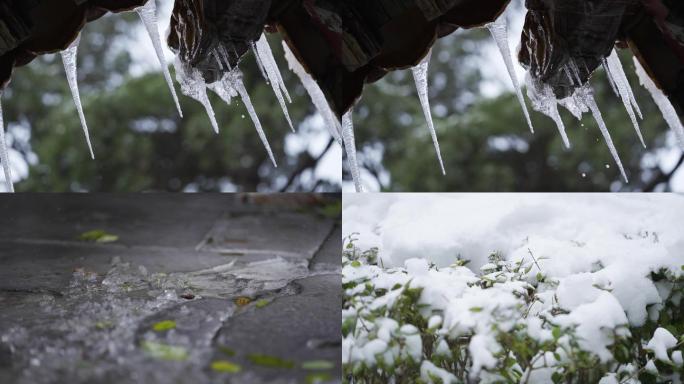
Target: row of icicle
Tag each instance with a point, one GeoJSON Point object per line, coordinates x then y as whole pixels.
{"type": "Point", "coordinates": [231, 85]}
{"type": "Point", "coordinates": [543, 100]}
{"type": "Point", "coordinates": [193, 85]}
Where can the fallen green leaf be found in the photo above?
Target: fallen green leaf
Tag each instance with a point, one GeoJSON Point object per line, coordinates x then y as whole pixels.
{"type": "Point", "coordinates": [476, 309]}
{"type": "Point", "coordinates": [270, 361]}
{"type": "Point", "coordinates": [226, 351]}
{"type": "Point", "coordinates": [355, 263]}
{"type": "Point", "coordinates": [262, 303]}
{"type": "Point", "coordinates": [317, 378]}
{"type": "Point", "coordinates": [104, 325]}
{"type": "Point", "coordinates": [98, 236]}
{"type": "Point", "coordinates": [164, 351]}
{"type": "Point", "coordinates": [164, 325]}
{"type": "Point", "coordinates": [225, 366]}
{"type": "Point", "coordinates": [317, 365]}
{"type": "Point", "coordinates": [332, 210]}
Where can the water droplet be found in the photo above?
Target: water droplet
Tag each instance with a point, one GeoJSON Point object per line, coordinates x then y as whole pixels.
{"type": "Point", "coordinates": [584, 175]}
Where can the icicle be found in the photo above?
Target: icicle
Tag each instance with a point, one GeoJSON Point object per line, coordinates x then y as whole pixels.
{"type": "Point", "coordinates": [618, 77]}
{"type": "Point", "coordinates": [586, 96]}
{"type": "Point", "coordinates": [544, 100]}
{"type": "Point", "coordinates": [69, 60]}
{"type": "Point", "coordinates": [224, 90]}
{"type": "Point", "coordinates": [316, 95]}
{"type": "Point", "coordinates": [350, 148]}
{"type": "Point", "coordinates": [258, 61]}
{"type": "Point", "coordinates": [499, 32]}
{"type": "Point", "coordinates": [271, 67]}
{"type": "Point", "coordinates": [420, 77]}
{"type": "Point", "coordinates": [235, 79]}
{"type": "Point", "coordinates": [148, 15]}
{"type": "Point", "coordinates": [663, 103]}
{"type": "Point", "coordinates": [193, 85]}
{"type": "Point", "coordinates": [4, 158]}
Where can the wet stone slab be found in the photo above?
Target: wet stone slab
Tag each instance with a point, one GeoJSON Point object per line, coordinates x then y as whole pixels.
{"type": "Point", "coordinates": [156, 309]}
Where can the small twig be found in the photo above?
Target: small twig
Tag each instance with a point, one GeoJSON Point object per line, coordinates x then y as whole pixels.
{"type": "Point", "coordinates": [534, 259]}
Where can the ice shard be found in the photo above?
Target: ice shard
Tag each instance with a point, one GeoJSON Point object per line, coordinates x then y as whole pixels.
{"type": "Point", "coordinates": [193, 85]}
{"type": "Point", "coordinates": [4, 157]}
{"type": "Point", "coordinates": [258, 61]}
{"type": "Point", "coordinates": [350, 148]}
{"type": "Point", "coordinates": [234, 78]}
{"type": "Point", "coordinates": [148, 15]}
{"type": "Point", "coordinates": [663, 103]}
{"type": "Point", "coordinates": [544, 100]}
{"type": "Point", "coordinates": [617, 76]}
{"type": "Point", "coordinates": [585, 94]}
{"type": "Point", "coordinates": [499, 31]}
{"type": "Point", "coordinates": [316, 94]}
{"type": "Point", "coordinates": [271, 67]}
{"type": "Point", "coordinates": [69, 60]}
{"type": "Point", "coordinates": [420, 76]}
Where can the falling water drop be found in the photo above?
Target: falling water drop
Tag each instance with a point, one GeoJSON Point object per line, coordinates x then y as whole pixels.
{"type": "Point", "coordinates": [69, 60]}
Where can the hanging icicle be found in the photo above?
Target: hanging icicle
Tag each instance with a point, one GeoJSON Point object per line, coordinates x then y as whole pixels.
{"type": "Point", "coordinates": [586, 95]}
{"type": "Point", "coordinates": [420, 76]}
{"type": "Point", "coordinates": [499, 31]}
{"type": "Point", "coordinates": [617, 76]}
{"type": "Point", "coordinates": [273, 74]}
{"type": "Point", "coordinates": [234, 79]}
{"type": "Point", "coordinates": [316, 94]}
{"type": "Point", "coordinates": [350, 148]}
{"type": "Point", "coordinates": [4, 155]}
{"type": "Point", "coordinates": [193, 85]}
{"type": "Point", "coordinates": [544, 100]}
{"type": "Point", "coordinates": [148, 15]}
{"type": "Point", "coordinates": [69, 60]}
{"type": "Point", "coordinates": [663, 103]}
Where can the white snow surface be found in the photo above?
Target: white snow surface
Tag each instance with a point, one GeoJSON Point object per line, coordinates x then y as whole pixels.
{"type": "Point", "coordinates": [583, 240]}
{"type": "Point", "coordinates": [589, 255]}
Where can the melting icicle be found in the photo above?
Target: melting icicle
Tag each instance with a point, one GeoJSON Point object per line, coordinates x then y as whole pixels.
{"type": "Point", "coordinates": [499, 32]}
{"type": "Point", "coordinates": [586, 96]}
{"type": "Point", "coordinates": [271, 67]}
{"type": "Point", "coordinates": [258, 61]}
{"type": "Point", "coordinates": [69, 60]}
{"type": "Point", "coordinates": [148, 15]}
{"type": "Point", "coordinates": [618, 77]}
{"type": "Point", "coordinates": [663, 103]}
{"type": "Point", "coordinates": [4, 158]}
{"type": "Point", "coordinates": [316, 95]}
{"type": "Point", "coordinates": [420, 77]}
{"type": "Point", "coordinates": [235, 79]}
{"type": "Point", "coordinates": [544, 100]}
{"type": "Point", "coordinates": [350, 148]}
{"type": "Point", "coordinates": [193, 85]}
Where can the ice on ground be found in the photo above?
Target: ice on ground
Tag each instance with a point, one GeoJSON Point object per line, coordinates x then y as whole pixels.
{"type": "Point", "coordinates": [317, 97]}
{"type": "Point", "coordinates": [350, 148]}
{"type": "Point", "coordinates": [148, 15]}
{"type": "Point", "coordinates": [193, 85]}
{"type": "Point", "coordinates": [617, 77]}
{"type": "Point", "coordinates": [4, 158]}
{"type": "Point", "coordinates": [69, 60]}
{"type": "Point", "coordinates": [420, 76]}
{"type": "Point", "coordinates": [499, 31]}
{"type": "Point", "coordinates": [663, 103]}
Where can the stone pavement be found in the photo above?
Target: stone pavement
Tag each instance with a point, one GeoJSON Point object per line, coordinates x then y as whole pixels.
{"type": "Point", "coordinates": [196, 288]}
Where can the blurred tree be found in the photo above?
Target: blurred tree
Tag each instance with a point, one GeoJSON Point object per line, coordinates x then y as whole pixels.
{"type": "Point", "coordinates": [485, 142]}
{"type": "Point", "coordinates": [140, 142]}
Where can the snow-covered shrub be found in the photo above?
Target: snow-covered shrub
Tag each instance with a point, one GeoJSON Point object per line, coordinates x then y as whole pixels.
{"type": "Point", "coordinates": [509, 322]}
